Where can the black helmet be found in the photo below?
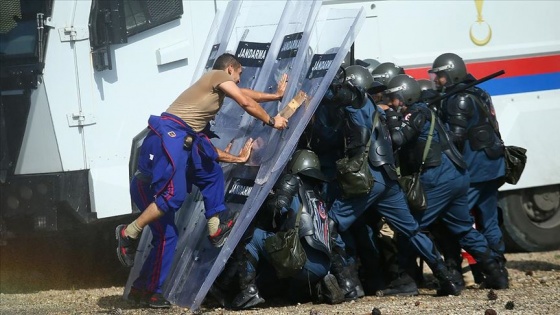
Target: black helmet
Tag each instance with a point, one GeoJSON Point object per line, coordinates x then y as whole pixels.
{"type": "Point", "coordinates": [385, 72]}
{"type": "Point", "coordinates": [452, 66]}
{"type": "Point", "coordinates": [426, 84]}
{"type": "Point", "coordinates": [368, 63]}
{"type": "Point", "coordinates": [405, 88]}
{"type": "Point", "coordinates": [306, 162]}
{"type": "Point", "coordinates": [359, 76]}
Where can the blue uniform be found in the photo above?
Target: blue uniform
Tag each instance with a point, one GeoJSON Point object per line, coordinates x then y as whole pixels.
{"type": "Point", "coordinates": [315, 268]}
{"type": "Point", "coordinates": [485, 171]}
{"type": "Point", "coordinates": [445, 185]}
{"type": "Point", "coordinates": [386, 197]}
{"type": "Point", "coordinates": [166, 173]}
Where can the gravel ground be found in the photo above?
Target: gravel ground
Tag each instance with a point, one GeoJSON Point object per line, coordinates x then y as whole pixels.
{"type": "Point", "coordinates": [534, 289]}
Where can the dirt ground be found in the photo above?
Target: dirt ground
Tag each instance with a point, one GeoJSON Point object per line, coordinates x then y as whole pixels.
{"type": "Point", "coordinates": [33, 281]}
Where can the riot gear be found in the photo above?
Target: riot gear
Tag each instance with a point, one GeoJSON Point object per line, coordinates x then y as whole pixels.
{"type": "Point", "coordinates": [413, 154]}
{"type": "Point", "coordinates": [405, 88]}
{"type": "Point", "coordinates": [347, 281]}
{"type": "Point", "coordinates": [426, 84]}
{"type": "Point", "coordinates": [313, 226]}
{"type": "Point", "coordinates": [348, 88]}
{"type": "Point", "coordinates": [483, 136]}
{"type": "Point", "coordinates": [285, 189]}
{"type": "Point", "coordinates": [359, 76]}
{"type": "Point", "coordinates": [306, 163]}
{"type": "Point", "coordinates": [249, 295]}
{"type": "Point", "coordinates": [450, 65]}
{"type": "Point", "coordinates": [458, 112]}
{"type": "Point", "coordinates": [385, 72]}
{"type": "Point", "coordinates": [371, 64]}
{"type": "Point", "coordinates": [381, 149]}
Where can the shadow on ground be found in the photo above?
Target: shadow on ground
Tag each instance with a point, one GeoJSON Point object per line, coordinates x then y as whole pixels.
{"type": "Point", "coordinates": [79, 259]}
{"type": "Point", "coordinates": [532, 265]}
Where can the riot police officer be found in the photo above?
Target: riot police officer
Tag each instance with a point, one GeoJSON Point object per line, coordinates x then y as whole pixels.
{"type": "Point", "coordinates": [386, 196]}
{"type": "Point", "coordinates": [298, 190]}
{"type": "Point", "coordinates": [444, 177]}
{"type": "Point", "coordinates": [472, 120]}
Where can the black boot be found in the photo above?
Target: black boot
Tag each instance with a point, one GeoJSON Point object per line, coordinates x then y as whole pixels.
{"type": "Point", "coordinates": [495, 277]}
{"type": "Point", "coordinates": [402, 285]}
{"type": "Point", "coordinates": [226, 285]}
{"type": "Point", "coordinates": [345, 276]}
{"type": "Point", "coordinates": [445, 281]}
{"type": "Point", "coordinates": [249, 295]}
{"type": "Point", "coordinates": [328, 291]}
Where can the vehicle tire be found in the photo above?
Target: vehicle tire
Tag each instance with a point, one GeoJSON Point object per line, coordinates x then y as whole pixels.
{"type": "Point", "coordinates": [531, 218]}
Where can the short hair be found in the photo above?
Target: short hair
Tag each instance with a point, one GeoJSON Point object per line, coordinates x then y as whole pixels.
{"type": "Point", "coordinates": [225, 60]}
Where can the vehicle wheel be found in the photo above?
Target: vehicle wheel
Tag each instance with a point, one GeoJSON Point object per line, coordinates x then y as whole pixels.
{"type": "Point", "coordinates": [531, 218]}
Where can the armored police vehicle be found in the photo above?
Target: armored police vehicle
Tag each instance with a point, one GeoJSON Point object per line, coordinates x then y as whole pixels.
{"type": "Point", "coordinates": [80, 78]}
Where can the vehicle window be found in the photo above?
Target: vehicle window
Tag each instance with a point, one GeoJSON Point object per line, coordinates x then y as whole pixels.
{"type": "Point", "coordinates": [141, 15]}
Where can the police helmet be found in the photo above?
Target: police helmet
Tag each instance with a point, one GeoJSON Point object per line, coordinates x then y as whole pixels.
{"type": "Point", "coordinates": [359, 76]}
{"type": "Point", "coordinates": [405, 88]}
{"type": "Point", "coordinates": [426, 84]}
{"type": "Point", "coordinates": [368, 63]}
{"type": "Point", "coordinates": [450, 65]}
{"type": "Point", "coordinates": [385, 72]}
{"type": "Point", "coordinates": [306, 162]}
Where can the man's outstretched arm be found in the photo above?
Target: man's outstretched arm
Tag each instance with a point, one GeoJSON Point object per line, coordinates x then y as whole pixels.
{"type": "Point", "coordinates": [262, 97]}
{"type": "Point", "coordinates": [242, 157]}
{"type": "Point", "coordinates": [251, 106]}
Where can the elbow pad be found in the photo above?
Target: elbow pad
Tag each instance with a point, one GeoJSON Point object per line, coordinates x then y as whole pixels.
{"type": "Point", "coordinates": [285, 189]}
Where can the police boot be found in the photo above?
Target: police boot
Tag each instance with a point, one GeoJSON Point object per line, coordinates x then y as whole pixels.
{"type": "Point", "coordinates": [360, 293]}
{"type": "Point", "coordinates": [223, 288]}
{"type": "Point", "coordinates": [344, 275]}
{"type": "Point", "coordinates": [495, 277]}
{"type": "Point", "coordinates": [328, 291]}
{"type": "Point", "coordinates": [402, 285]}
{"type": "Point", "coordinates": [249, 295]}
{"type": "Point", "coordinates": [445, 280]}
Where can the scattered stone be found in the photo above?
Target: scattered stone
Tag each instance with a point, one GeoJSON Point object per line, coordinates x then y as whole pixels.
{"type": "Point", "coordinates": [510, 305]}
{"type": "Point", "coordinates": [490, 312]}
{"type": "Point", "coordinates": [529, 273]}
{"type": "Point", "coordinates": [417, 303]}
{"type": "Point", "coordinates": [492, 295]}
{"type": "Point", "coordinates": [375, 311]}
{"type": "Point", "coordinates": [116, 311]}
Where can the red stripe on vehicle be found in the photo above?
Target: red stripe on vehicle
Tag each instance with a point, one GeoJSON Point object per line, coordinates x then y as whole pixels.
{"type": "Point", "coordinates": [512, 67]}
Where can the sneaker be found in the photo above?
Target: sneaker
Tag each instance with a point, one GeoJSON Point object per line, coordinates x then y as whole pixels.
{"type": "Point", "coordinates": [158, 301]}
{"type": "Point", "coordinates": [126, 248]}
{"type": "Point", "coordinates": [138, 297]}
{"type": "Point", "coordinates": [227, 220]}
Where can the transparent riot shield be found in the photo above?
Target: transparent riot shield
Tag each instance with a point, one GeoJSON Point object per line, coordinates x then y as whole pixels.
{"type": "Point", "coordinates": [216, 44]}
{"type": "Point", "coordinates": [319, 53]}
{"type": "Point", "coordinates": [333, 34]}
{"type": "Point", "coordinates": [219, 34]}
{"type": "Point", "coordinates": [196, 254]}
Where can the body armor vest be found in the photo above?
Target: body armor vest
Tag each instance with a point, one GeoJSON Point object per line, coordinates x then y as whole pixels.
{"type": "Point", "coordinates": [314, 222]}
{"type": "Point", "coordinates": [381, 148]}
{"type": "Point", "coordinates": [411, 155]}
{"type": "Point", "coordinates": [483, 136]}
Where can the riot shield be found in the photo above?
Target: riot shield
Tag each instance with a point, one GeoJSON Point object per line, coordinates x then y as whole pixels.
{"type": "Point", "coordinates": [219, 34]}
{"type": "Point", "coordinates": [318, 53]}
{"type": "Point", "coordinates": [196, 255]}
{"type": "Point", "coordinates": [333, 34]}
